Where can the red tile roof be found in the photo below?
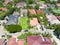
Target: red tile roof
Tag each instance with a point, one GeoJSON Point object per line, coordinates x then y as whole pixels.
{"type": "Point", "coordinates": [38, 40]}
{"type": "Point", "coordinates": [20, 42]}
{"type": "Point", "coordinates": [4, 9]}
{"type": "Point", "coordinates": [1, 41]}
{"type": "Point", "coordinates": [12, 41]}
{"type": "Point", "coordinates": [47, 42]}
{"type": "Point", "coordinates": [32, 11]}
{"type": "Point", "coordinates": [39, 11]}
{"type": "Point", "coordinates": [34, 22]}
{"type": "Point", "coordinates": [34, 40]}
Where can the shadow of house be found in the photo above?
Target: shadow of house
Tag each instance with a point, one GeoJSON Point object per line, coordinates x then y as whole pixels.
{"type": "Point", "coordinates": [12, 20]}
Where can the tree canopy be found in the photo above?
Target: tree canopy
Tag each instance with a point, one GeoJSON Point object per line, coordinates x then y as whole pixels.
{"type": "Point", "coordinates": [58, 29]}
{"type": "Point", "coordinates": [13, 28]}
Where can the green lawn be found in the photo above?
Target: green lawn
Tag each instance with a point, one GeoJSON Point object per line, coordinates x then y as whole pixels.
{"type": "Point", "coordinates": [24, 23]}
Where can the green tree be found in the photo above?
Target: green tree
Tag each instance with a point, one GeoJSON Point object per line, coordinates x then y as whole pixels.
{"type": "Point", "coordinates": [1, 4]}
{"type": "Point", "coordinates": [2, 1]}
{"type": "Point", "coordinates": [10, 11]}
{"type": "Point", "coordinates": [58, 29]}
{"type": "Point", "coordinates": [30, 1]}
{"type": "Point", "coordinates": [13, 28]}
{"type": "Point", "coordinates": [37, 6]}
{"type": "Point", "coordinates": [2, 15]}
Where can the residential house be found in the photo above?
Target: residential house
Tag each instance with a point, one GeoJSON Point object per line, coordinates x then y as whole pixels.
{"type": "Point", "coordinates": [58, 4]}
{"type": "Point", "coordinates": [47, 41]}
{"type": "Point", "coordinates": [13, 19]}
{"type": "Point", "coordinates": [38, 40]}
{"type": "Point", "coordinates": [52, 19]}
{"type": "Point", "coordinates": [34, 22]}
{"type": "Point", "coordinates": [32, 11]}
{"type": "Point", "coordinates": [3, 9]}
{"type": "Point", "coordinates": [6, 2]}
{"type": "Point", "coordinates": [23, 12]}
{"type": "Point", "coordinates": [20, 42]}
{"type": "Point", "coordinates": [1, 41]}
{"type": "Point", "coordinates": [21, 4]}
{"type": "Point", "coordinates": [39, 11]}
{"type": "Point", "coordinates": [11, 41]}
{"type": "Point", "coordinates": [42, 5]}
{"type": "Point", "coordinates": [50, 5]}
{"type": "Point", "coordinates": [14, 41]}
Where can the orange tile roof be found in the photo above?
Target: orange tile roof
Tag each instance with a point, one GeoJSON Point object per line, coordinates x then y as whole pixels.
{"type": "Point", "coordinates": [32, 11]}
{"type": "Point", "coordinates": [20, 42]}
{"type": "Point", "coordinates": [34, 22]}
{"type": "Point", "coordinates": [40, 11]}
{"type": "Point", "coordinates": [4, 9]}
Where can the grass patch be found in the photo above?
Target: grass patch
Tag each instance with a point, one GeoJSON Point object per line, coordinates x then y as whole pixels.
{"type": "Point", "coordinates": [24, 23]}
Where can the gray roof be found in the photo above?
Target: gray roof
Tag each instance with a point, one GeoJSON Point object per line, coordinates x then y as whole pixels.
{"type": "Point", "coordinates": [12, 20]}
{"type": "Point", "coordinates": [51, 5]}
{"type": "Point", "coordinates": [47, 11]}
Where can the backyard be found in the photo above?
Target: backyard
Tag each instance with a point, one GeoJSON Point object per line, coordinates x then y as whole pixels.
{"type": "Point", "coordinates": [42, 19]}
{"type": "Point", "coordinates": [24, 23]}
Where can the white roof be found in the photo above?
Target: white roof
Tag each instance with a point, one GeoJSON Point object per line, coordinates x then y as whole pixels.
{"type": "Point", "coordinates": [52, 19]}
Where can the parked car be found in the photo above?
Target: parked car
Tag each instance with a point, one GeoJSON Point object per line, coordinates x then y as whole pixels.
{"type": "Point", "coordinates": [25, 30]}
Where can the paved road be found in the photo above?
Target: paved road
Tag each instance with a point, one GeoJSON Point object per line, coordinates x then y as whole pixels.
{"type": "Point", "coordinates": [54, 37]}
{"type": "Point", "coordinates": [1, 31]}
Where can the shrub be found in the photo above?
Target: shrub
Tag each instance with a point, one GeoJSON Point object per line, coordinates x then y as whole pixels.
{"type": "Point", "coordinates": [9, 36]}
{"type": "Point", "coordinates": [24, 36]}
{"type": "Point", "coordinates": [2, 15]}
